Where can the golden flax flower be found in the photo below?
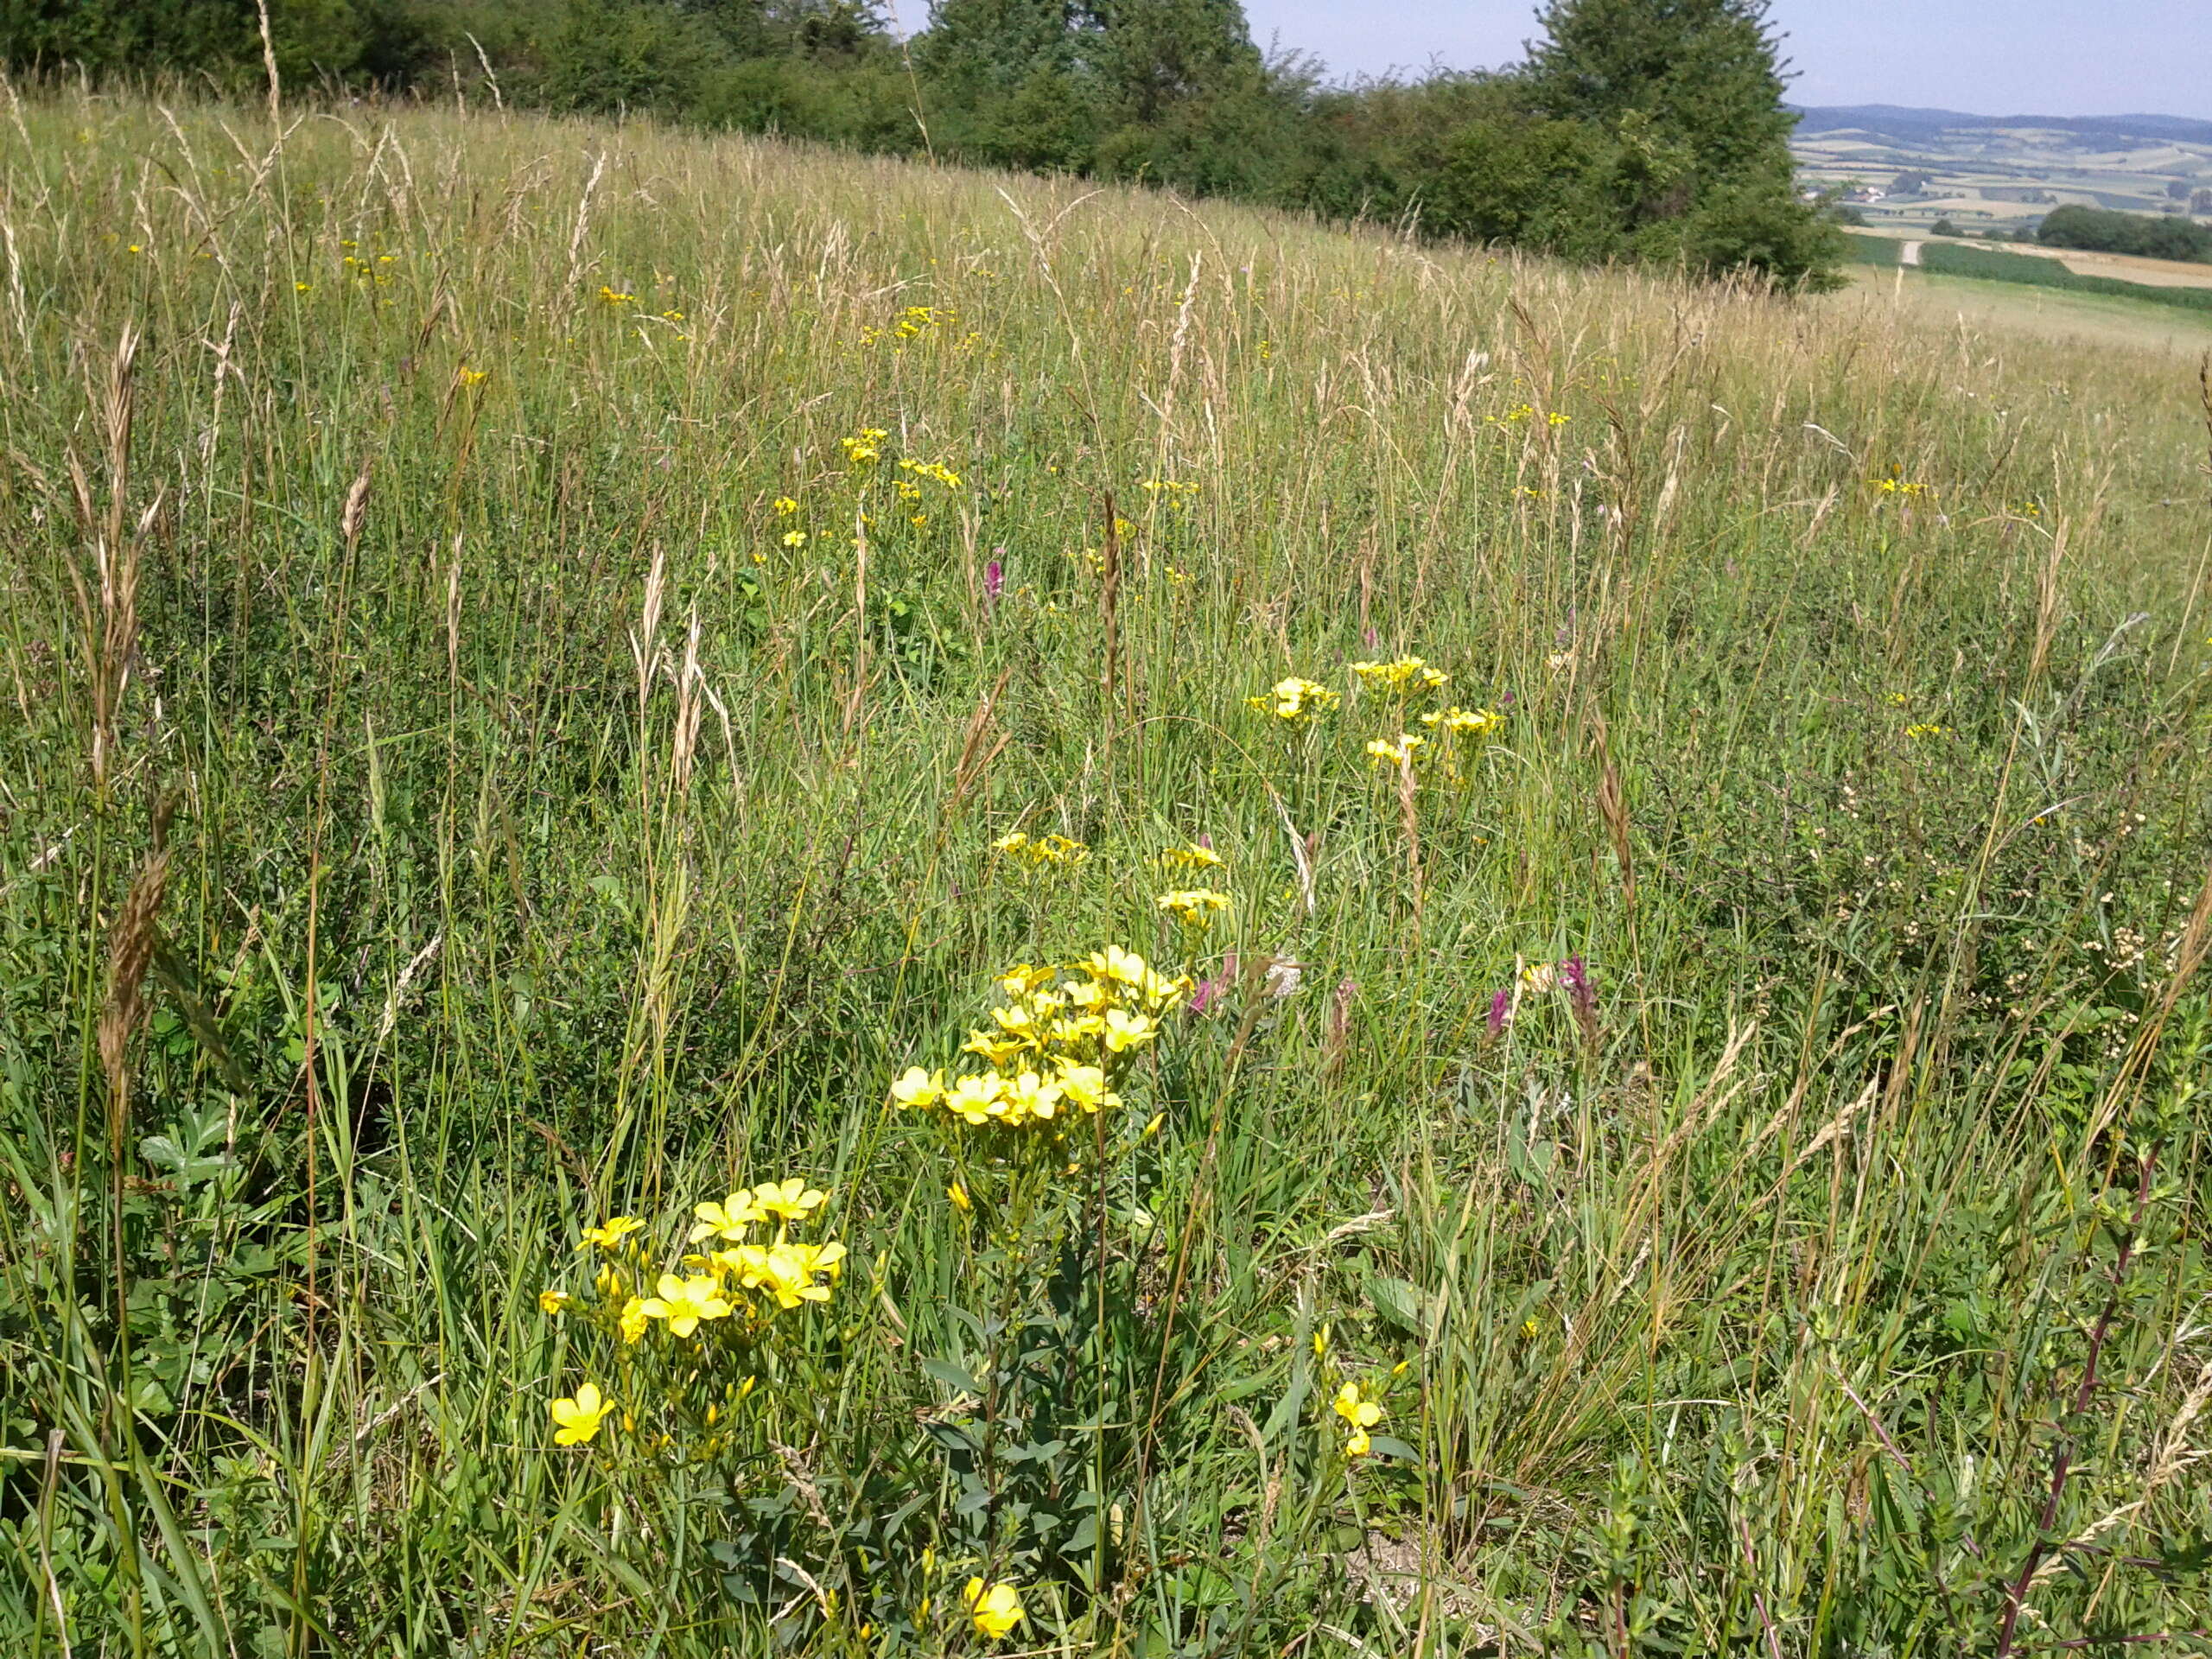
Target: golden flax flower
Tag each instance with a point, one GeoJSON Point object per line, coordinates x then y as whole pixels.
{"type": "Point", "coordinates": [609, 1234]}
{"type": "Point", "coordinates": [918, 1089]}
{"type": "Point", "coordinates": [685, 1303]}
{"type": "Point", "coordinates": [996, 1608]}
{"type": "Point", "coordinates": [577, 1419]}
{"type": "Point", "coordinates": [1193, 906]}
{"type": "Point", "coordinates": [788, 1200]}
{"type": "Point", "coordinates": [727, 1220]}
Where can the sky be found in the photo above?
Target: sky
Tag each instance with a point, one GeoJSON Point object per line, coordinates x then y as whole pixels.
{"type": "Point", "coordinates": [1985, 57]}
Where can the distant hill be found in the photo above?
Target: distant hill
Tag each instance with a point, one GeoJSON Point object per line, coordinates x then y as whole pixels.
{"type": "Point", "coordinates": [1906, 169]}
{"type": "Point", "coordinates": [1901, 121]}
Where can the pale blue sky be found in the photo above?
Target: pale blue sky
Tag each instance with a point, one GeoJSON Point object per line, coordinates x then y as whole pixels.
{"type": "Point", "coordinates": [1987, 57]}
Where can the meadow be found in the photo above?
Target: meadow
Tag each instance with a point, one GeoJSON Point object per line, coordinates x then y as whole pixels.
{"type": "Point", "coordinates": [600, 717]}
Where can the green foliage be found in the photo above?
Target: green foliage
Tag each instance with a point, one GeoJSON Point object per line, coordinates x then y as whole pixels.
{"type": "Point", "coordinates": [2163, 235]}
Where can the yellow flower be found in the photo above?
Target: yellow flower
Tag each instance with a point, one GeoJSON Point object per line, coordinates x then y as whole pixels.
{"type": "Point", "coordinates": [1406, 673]}
{"type": "Point", "coordinates": [1029, 1096]}
{"type": "Point", "coordinates": [785, 506]}
{"type": "Point", "coordinates": [1021, 979]}
{"type": "Point", "coordinates": [1192, 857]}
{"type": "Point", "coordinates": [1360, 1414]}
{"type": "Point", "coordinates": [1398, 753]}
{"type": "Point", "coordinates": [727, 1220]}
{"type": "Point", "coordinates": [1193, 907]}
{"type": "Point", "coordinates": [554, 1301]}
{"type": "Point", "coordinates": [794, 538]}
{"type": "Point", "coordinates": [1295, 700]}
{"type": "Point", "coordinates": [1084, 1086]}
{"type": "Point", "coordinates": [1126, 1031]}
{"type": "Point", "coordinates": [996, 1608]}
{"type": "Point", "coordinates": [684, 1302]}
{"type": "Point", "coordinates": [633, 1319]}
{"type": "Point", "coordinates": [469, 376]}
{"type": "Point", "coordinates": [609, 296]}
{"type": "Point", "coordinates": [1321, 1342]}
{"type": "Point", "coordinates": [791, 1200]}
{"type": "Point", "coordinates": [609, 1234]}
{"type": "Point", "coordinates": [977, 1099]}
{"type": "Point", "coordinates": [1357, 1444]}
{"type": "Point", "coordinates": [1465, 723]}
{"type": "Point", "coordinates": [998, 1050]}
{"type": "Point", "coordinates": [918, 1089]}
{"type": "Point", "coordinates": [303, 288]}
{"type": "Point", "coordinates": [1927, 730]}
{"type": "Point", "coordinates": [576, 1420]}
{"type": "Point", "coordinates": [958, 1194]}
{"type": "Point", "coordinates": [1116, 965]}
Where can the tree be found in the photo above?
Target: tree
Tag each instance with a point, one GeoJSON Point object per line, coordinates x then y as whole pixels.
{"type": "Point", "coordinates": [1689, 92]}
{"type": "Point", "coordinates": [1944, 227]}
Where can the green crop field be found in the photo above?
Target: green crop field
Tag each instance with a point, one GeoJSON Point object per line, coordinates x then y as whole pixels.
{"type": "Point", "coordinates": [598, 720]}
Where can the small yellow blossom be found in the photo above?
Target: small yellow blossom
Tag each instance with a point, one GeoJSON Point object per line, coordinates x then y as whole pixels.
{"type": "Point", "coordinates": [727, 1220]}
{"type": "Point", "coordinates": [554, 1301]}
{"type": "Point", "coordinates": [610, 1234]}
{"type": "Point", "coordinates": [633, 1319]}
{"type": "Point", "coordinates": [1408, 673]}
{"type": "Point", "coordinates": [1193, 906]}
{"type": "Point", "coordinates": [1295, 701]}
{"type": "Point", "coordinates": [789, 1200]}
{"type": "Point", "coordinates": [685, 1302]}
{"type": "Point", "coordinates": [785, 506]}
{"type": "Point", "coordinates": [996, 1608]}
{"type": "Point", "coordinates": [575, 1421]}
{"type": "Point", "coordinates": [794, 538]}
{"type": "Point", "coordinates": [1192, 857]}
{"type": "Point", "coordinates": [918, 1089]}
{"type": "Point", "coordinates": [958, 1194]}
{"type": "Point", "coordinates": [1399, 754]}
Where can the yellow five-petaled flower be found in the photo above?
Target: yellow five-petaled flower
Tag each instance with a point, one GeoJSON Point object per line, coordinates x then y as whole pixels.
{"type": "Point", "coordinates": [576, 1420]}
{"type": "Point", "coordinates": [996, 1608]}
{"type": "Point", "coordinates": [609, 1234]}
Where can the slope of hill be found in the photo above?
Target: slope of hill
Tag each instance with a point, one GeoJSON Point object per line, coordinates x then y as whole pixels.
{"type": "Point", "coordinates": [598, 714]}
{"type": "Point", "coordinates": [1907, 167]}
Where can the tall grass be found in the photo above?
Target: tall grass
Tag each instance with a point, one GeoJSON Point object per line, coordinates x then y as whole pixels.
{"type": "Point", "coordinates": [441, 808]}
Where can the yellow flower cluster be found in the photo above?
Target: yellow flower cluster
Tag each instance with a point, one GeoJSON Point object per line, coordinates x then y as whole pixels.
{"type": "Point", "coordinates": [1192, 857]}
{"type": "Point", "coordinates": [1193, 906]}
{"type": "Point", "coordinates": [1400, 753]}
{"type": "Point", "coordinates": [1295, 701]}
{"type": "Point", "coordinates": [738, 1280]}
{"type": "Point", "coordinates": [1040, 849]}
{"type": "Point", "coordinates": [1407, 674]}
{"type": "Point", "coordinates": [1167, 490]}
{"type": "Point", "coordinates": [611, 296]}
{"type": "Point", "coordinates": [1360, 1412]}
{"type": "Point", "coordinates": [1465, 722]}
{"type": "Point", "coordinates": [917, 318]}
{"type": "Point", "coordinates": [1925, 729]}
{"type": "Point", "coordinates": [864, 445]}
{"type": "Point", "coordinates": [934, 469]}
{"type": "Point", "coordinates": [1056, 1043]}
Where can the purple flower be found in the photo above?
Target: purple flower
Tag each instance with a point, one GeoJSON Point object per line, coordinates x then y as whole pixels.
{"type": "Point", "coordinates": [1501, 1006]}
{"type": "Point", "coordinates": [994, 578]}
{"type": "Point", "coordinates": [1210, 989]}
{"type": "Point", "coordinates": [1576, 978]}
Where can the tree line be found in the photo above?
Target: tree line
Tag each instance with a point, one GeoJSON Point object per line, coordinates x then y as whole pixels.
{"type": "Point", "coordinates": [1646, 130]}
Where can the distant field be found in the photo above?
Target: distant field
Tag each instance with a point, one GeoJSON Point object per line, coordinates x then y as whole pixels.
{"type": "Point", "coordinates": [2117, 302]}
{"type": "Point", "coordinates": [1987, 178]}
{"type": "Point", "coordinates": [2052, 314]}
